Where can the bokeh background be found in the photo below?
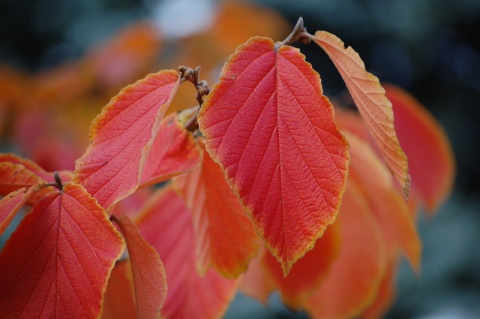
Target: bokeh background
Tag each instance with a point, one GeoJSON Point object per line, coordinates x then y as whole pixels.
{"type": "Point", "coordinates": [61, 61]}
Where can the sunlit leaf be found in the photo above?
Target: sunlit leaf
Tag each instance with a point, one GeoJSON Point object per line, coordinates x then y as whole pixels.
{"type": "Point", "coordinates": [148, 273]}
{"type": "Point", "coordinates": [167, 225]}
{"type": "Point", "coordinates": [225, 238]}
{"type": "Point", "coordinates": [121, 137]}
{"type": "Point", "coordinates": [118, 300]}
{"type": "Point", "coordinates": [430, 155]}
{"type": "Point", "coordinates": [369, 96]}
{"type": "Point", "coordinates": [174, 151]}
{"type": "Point", "coordinates": [356, 274]}
{"type": "Point", "coordinates": [11, 204]}
{"type": "Point", "coordinates": [272, 131]}
{"type": "Point", "coordinates": [56, 263]}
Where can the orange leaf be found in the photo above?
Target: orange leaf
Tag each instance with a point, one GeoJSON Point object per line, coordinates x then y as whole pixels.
{"type": "Point", "coordinates": [272, 131]}
{"type": "Point", "coordinates": [387, 205]}
{"type": "Point", "coordinates": [174, 151]}
{"type": "Point", "coordinates": [225, 238]}
{"type": "Point", "coordinates": [121, 137]}
{"type": "Point", "coordinates": [11, 204]}
{"type": "Point", "coordinates": [167, 225]}
{"type": "Point", "coordinates": [118, 298]}
{"type": "Point", "coordinates": [15, 176]}
{"type": "Point", "coordinates": [430, 155]}
{"type": "Point", "coordinates": [309, 272]}
{"type": "Point", "coordinates": [385, 296]}
{"type": "Point", "coordinates": [356, 274]}
{"type": "Point", "coordinates": [148, 273]}
{"type": "Point", "coordinates": [57, 262]}
{"type": "Point", "coordinates": [369, 96]}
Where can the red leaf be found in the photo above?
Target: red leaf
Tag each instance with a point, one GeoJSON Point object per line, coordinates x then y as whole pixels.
{"type": "Point", "coordinates": [15, 176]}
{"type": "Point", "coordinates": [174, 151]}
{"type": "Point", "coordinates": [11, 204]}
{"type": "Point", "coordinates": [389, 208]}
{"type": "Point", "coordinates": [66, 176]}
{"type": "Point", "coordinates": [369, 96]}
{"type": "Point", "coordinates": [118, 298]}
{"type": "Point", "coordinates": [57, 262]}
{"type": "Point", "coordinates": [120, 138]}
{"type": "Point", "coordinates": [225, 238]}
{"type": "Point", "coordinates": [148, 273]}
{"type": "Point", "coordinates": [356, 274]}
{"type": "Point", "coordinates": [167, 225]}
{"type": "Point", "coordinates": [385, 295]}
{"type": "Point", "coordinates": [309, 272]}
{"type": "Point", "coordinates": [272, 131]}
{"type": "Point", "coordinates": [430, 155]}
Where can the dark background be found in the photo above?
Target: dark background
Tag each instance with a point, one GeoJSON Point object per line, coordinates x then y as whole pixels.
{"type": "Point", "coordinates": [429, 47]}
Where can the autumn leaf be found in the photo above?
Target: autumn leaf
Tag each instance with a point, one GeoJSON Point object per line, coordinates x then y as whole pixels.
{"type": "Point", "coordinates": [11, 204]}
{"type": "Point", "coordinates": [369, 96]}
{"type": "Point", "coordinates": [272, 131]}
{"type": "Point", "coordinates": [225, 238]}
{"type": "Point", "coordinates": [309, 272]}
{"type": "Point", "coordinates": [355, 276]}
{"type": "Point", "coordinates": [148, 272]}
{"type": "Point", "coordinates": [33, 167]}
{"type": "Point", "coordinates": [385, 295]}
{"type": "Point", "coordinates": [386, 203]}
{"type": "Point", "coordinates": [15, 176]}
{"type": "Point", "coordinates": [118, 300]}
{"type": "Point", "coordinates": [174, 151]}
{"type": "Point", "coordinates": [57, 262]}
{"type": "Point", "coordinates": [121, 137]}
{"type": "Point", "coordinates": [167, 225]}
{"type": "Point", "coordinates": [429, 152]}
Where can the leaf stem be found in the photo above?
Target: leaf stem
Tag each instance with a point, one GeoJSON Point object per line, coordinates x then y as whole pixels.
{"type": "Point", "coordinates": [299, 34]}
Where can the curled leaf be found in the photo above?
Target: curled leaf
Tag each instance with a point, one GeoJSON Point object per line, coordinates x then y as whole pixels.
{"type": "Point", "coordinates": [369, 96]}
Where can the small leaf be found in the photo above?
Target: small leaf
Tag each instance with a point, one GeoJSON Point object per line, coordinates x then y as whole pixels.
{"type": "Point", "coordinates": [174, 151]}
{"type": "Point", "coordinates": [272, 131]}
{"type": "Point", "coordinates": [369, 96]}
{"type": "Point", "coordinates": [120, 138]}
{"type": "Point", "coordinates": [148, 273]}
{"type": "Point", "coordinates": [15, 176]}
{"type": "Point", "coordinates": [386, 203]}
{"type": "Point", "coordinates": [66, 176]}
{"type": "Point", "coordinates": [57, 262]}
{"type": "Point", "coordinates": [11, 204]}
{"type": "Point", "coordinates": [225, 238]}
{"type": "Point", "coordinates": [118, 298]}
{"type": "Point", "coordinates": [356, 274]}
{"type": "Point", "coordinates": [309, 272]}
{"type": "Point", "coordinates": [430, 154]}
{"type": "Point", "coordinates": [167, 225]}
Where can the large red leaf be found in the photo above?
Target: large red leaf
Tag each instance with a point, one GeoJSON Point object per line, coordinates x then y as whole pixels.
{"type": "Point", "coordinates": [369, 96]}
{"type": "Point", "coordinates": [167, 225]}
{"type": "Point", "coordinates": [272, 131]}
{"type": "Point", "coordinates": [357, 273]}
{"type": "Point", "coordinates": [56, 264]}
{"type": "Point", "coordinates": [11, 204]}
{"type": "Point", "coordinates": [225, 238]}
{"type": "Point", "coordinates": [120, 138]}
{"type": "Point", "coordinates": [430, 156]}
{"type": "Point", "coordinates": [148, 273]}
{"type": "Point", "coordinates": [174, 151]}
{"type": "Point", "coordinates": [386, 203]}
